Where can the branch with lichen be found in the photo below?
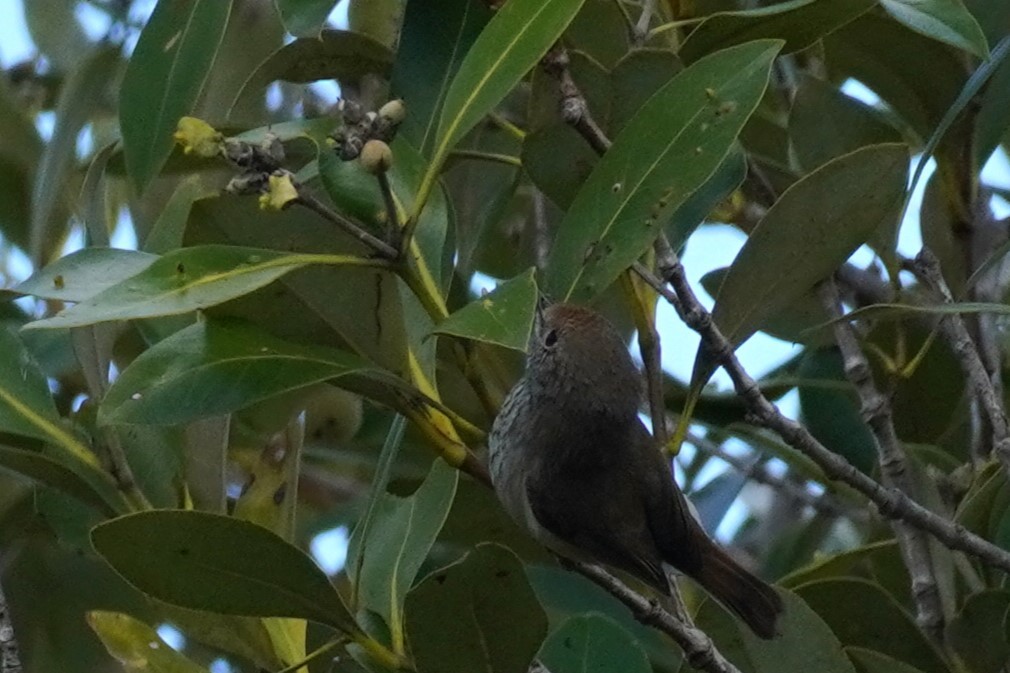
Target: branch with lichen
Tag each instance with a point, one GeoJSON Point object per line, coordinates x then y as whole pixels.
{"type": "Point", "coordinates": [10, 659]}
{"type": "Point", "coordinates": [877, 413]}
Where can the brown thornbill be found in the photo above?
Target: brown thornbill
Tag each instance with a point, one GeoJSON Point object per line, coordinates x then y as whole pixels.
{"type": "Point", "coordinates": [573, 463]}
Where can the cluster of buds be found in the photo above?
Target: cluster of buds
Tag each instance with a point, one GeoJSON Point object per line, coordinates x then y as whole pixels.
{"type": "Point", "coordinates": [360, 127]}
{"type": "Point", "coordinates": [261, 171]}
{"type": "Point", "coordinates": [259, 163]}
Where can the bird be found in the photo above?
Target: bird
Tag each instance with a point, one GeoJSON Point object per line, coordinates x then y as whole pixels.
{"type": "Point", "coordinates": [573, 464]}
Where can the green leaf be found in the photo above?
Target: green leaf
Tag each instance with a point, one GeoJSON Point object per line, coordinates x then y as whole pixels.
{"type": "Point", "coordinates": [45, 470]}
{"type": "Point", "coordinates": [834, 417]}
{"type": "Point", "coordinates": [80, 97]}
{"type": "Point", "coordinates": [978, 634]}
{"type": "Point", "coordinates": [825, 123]}
{"type": "Point", "coordinates": [944, 20]}
{"type": "Point", "coordinates": [799, 22]}
{"type": "Point", "coordinates": [503, 317]}
{"type": "Point", "coordinates": [27, 407]}
{"type": "Point", "coordinates": [593, 644]}
{"type": "Point", "coordinates": [187, 280]}
{"type": "Point", "coordinates": [137, 646]}
{"type": "Point", "coordinates": [803, 321]}
{"type": "Point", "coordinates": [398, 544]}
{"type": "Point", "coordinates": [871, 661]}
{"type": "Point", "coordinates": [512, 43]}
{"type": "Point", "coordinates": [728, 176]}
{"type": "Point", "coordinates": [813, 227]}
{"type": "Point", "coordinates": [456, 616]}
{"type": "Point", "coordinates": [805, 642]}
{"type": "Point", "coordinates": [172, 60]}
{"type": "Point", "coordinates": [304, 18]}
{"type": "Point", "coordinates": [166, 234]}
{"type": "Point", "coordinates": [889, 58]}
{"type": "Point", "coordinates": [435, 37]}
{"type": "Point", "coordinates": [85, 273]}
{"type": "Point", "coordinates": [840, 564]}
{"type": "Point", "coordinates": [356, 191]}
{"type": "Point", "coordinates": [217, 563]}
{"type": "Point", "coordinates": [334, 54]}
{"type": "Point", "coordinates": [967, 94]}
{"type": "Point", "coordinates": [216, 367]}
{"type": "Point", "coordinates": [861, 613]}
{"type": "Point", "coordinates": [667, 151]}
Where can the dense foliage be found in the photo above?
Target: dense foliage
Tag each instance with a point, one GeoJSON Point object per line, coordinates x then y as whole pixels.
{"type": "Point", "coordinates": [297, 343]}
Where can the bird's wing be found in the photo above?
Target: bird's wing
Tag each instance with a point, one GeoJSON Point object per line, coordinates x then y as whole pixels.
{"type": "Point", "coordinates": [602, 513]}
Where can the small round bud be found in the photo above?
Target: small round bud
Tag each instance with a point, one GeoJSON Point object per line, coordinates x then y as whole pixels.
{"type": "Point", "coordinates": [376, 157]}
{"type": "Point", "coordinates": [393, 112]}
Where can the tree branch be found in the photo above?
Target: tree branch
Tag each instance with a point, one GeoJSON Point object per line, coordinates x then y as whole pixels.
{"type": "Point", "coordinates": [10, 659]}
{"type": "Point", "coordinates": [927, 269]}
{"type": "Point", "coordinates": [891, 503]}
{"type": "Point", "coordinates": [574, 109]}
{"type": "Point", "coordinates": [758, 472]}
{"type": "Point", "coordinates": [309, 201]}
{"type": "Point", "coordinates": [877, 413]}
{"type": "Point", "coordinates": [699, 650]}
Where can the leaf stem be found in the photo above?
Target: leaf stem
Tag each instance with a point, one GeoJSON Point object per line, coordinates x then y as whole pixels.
{"type": "Point", "coordinates": [506, 159]}
{"type": "Point", "coordinates": [312, 203]}
{"type": "Point", "coordinates": [315, 654]}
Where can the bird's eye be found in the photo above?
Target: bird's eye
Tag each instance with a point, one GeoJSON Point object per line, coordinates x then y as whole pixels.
{"type": "Point", "coordinates": [551, 338]}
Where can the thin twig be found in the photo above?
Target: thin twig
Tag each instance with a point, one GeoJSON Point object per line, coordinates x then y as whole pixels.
{"type": "Point", "coordinates": [756, 471]}
{"type": "Point", "coordinates": [393, 231]}
{"type": "Point", "coordinates": [574, 109]}
{"type": "Point", "coordinates": [651, 350]}
{"type": "Point", "coordinates": [891, 503]}
{"type": "Point", "coordinates": [927, 269]}
{"type": "Point", "coordinates": [698, 648]}
{"type": "Point", "coordinates": [10, 660]}
{"type": "Point", "coordinates": [312, 203]}
{"type": "Point", "coordinates": [641, 31]}
{"type": "Point", "coordinates": [877, 413]}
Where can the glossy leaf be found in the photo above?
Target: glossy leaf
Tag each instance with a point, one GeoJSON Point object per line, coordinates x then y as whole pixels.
{"type": "Point", "coordinates": [510, 45]}
{"type": "Point", "coordinates": [805, 642]}
{"type": "Point", "coordinates": [187, 280]}
{"type": "Point", "coordinates": [334, 54]}
{"type": "Point", "coordinates": [944, 20]}
{"type": "Point", "coordinates": [593, 644]}
{"type": "Point", "coordinates": [217, 563]}
{"type": "Point", "coordinates": [85, 273]}
{"type": "Point", "coordinates": [137, 646]}
{"type": "Point", "coordinates": [399, 542]}
{"type": "Point", "coordinates": [436, 36]}
{"type": "Point", "coordinates": [216, 367]}
{"type": "Point", "coordinates": [456, 616]}
{"type": "Point", "coordinates": [80, 98]}
{"type": "Point", "coordinates": [304, 18]}
{"type": "Point", "coordinates": [837, 565]}
{"type": "Point", "coordinates": [808, 233]}
{"type": "Point", "coordinates": [170, 63]}
{"type": "Point", "coordinates": [799, 22]}
{"type": "Point", "coordinates": [667, 151]}
{"type": "Point", "coordinates": [861, 613]}
{"type": "Point", "coordinates": [503, 317]}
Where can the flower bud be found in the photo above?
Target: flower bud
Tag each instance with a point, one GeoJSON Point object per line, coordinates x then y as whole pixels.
{"type": "Point", "coordinates": [376, 157]}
